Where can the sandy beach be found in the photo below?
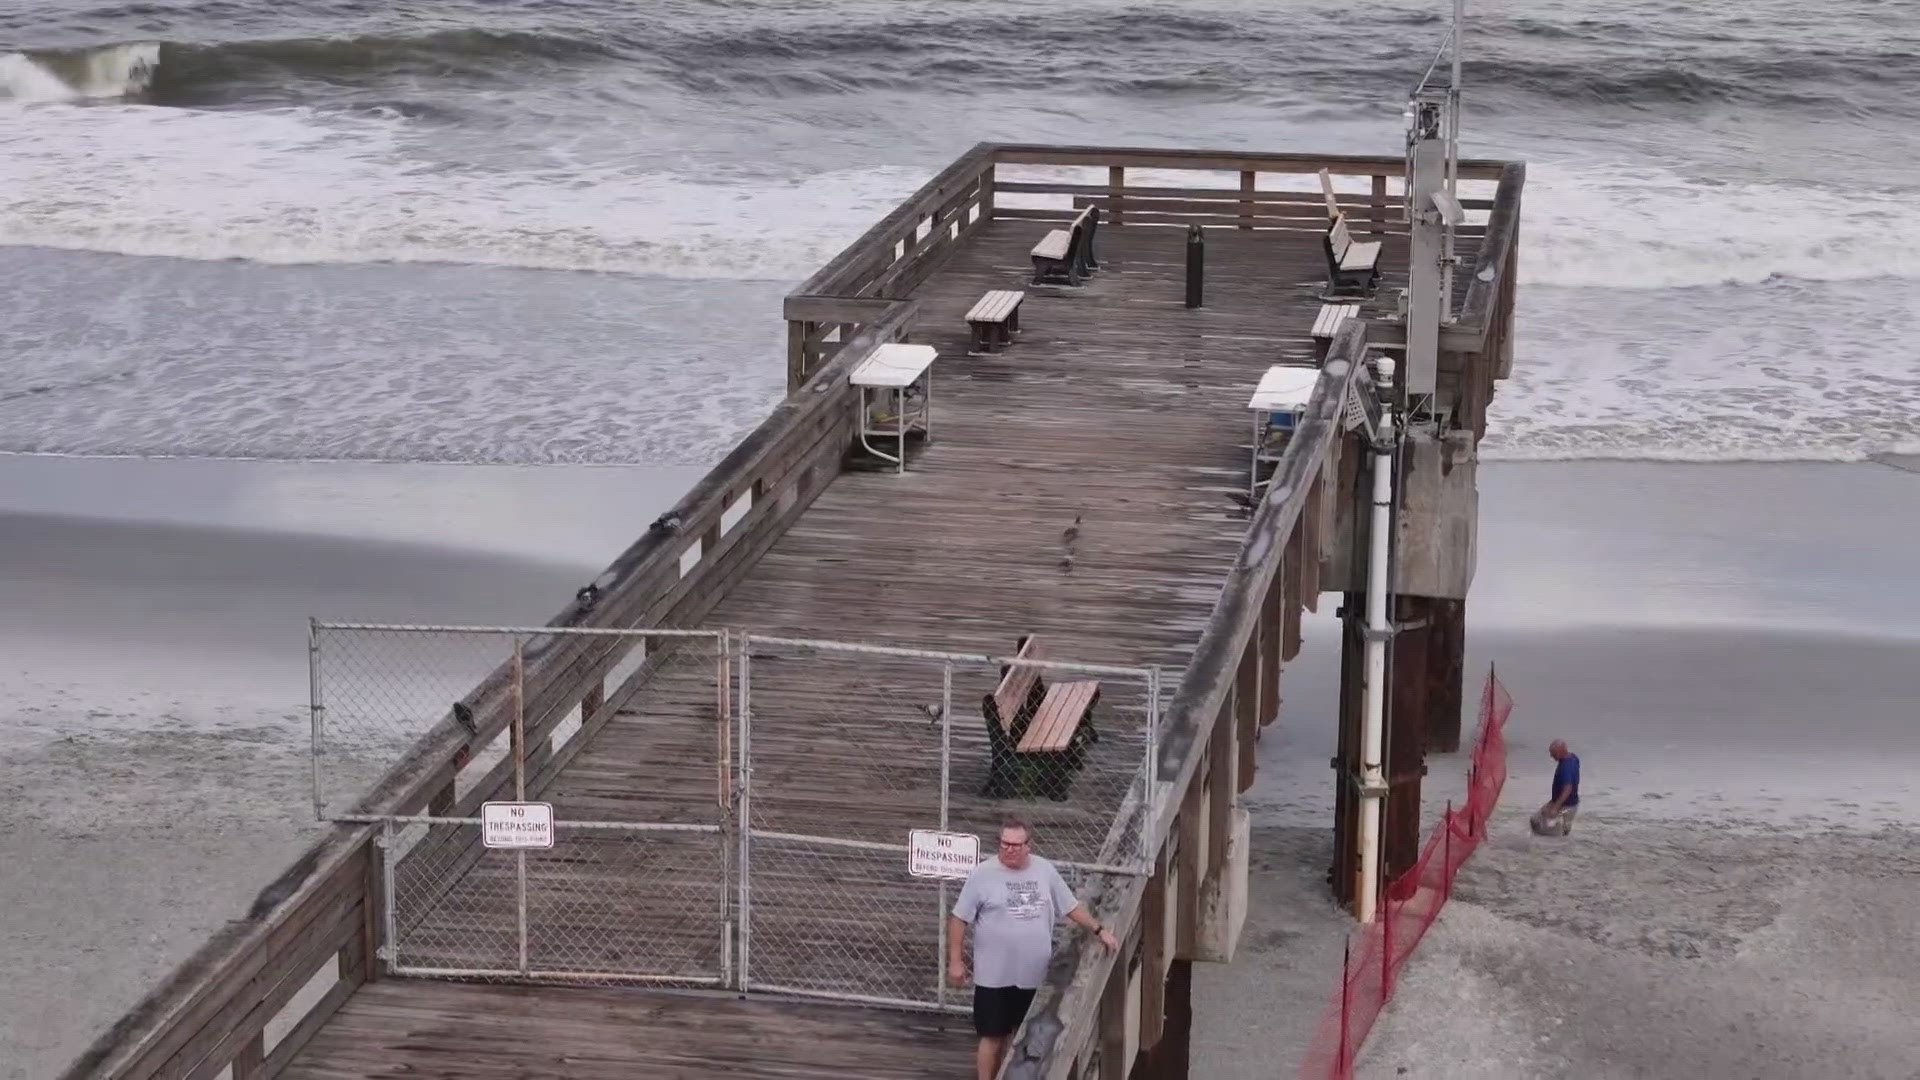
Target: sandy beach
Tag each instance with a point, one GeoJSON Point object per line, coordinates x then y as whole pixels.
{"type": "Point", "coordinates": [153, 703]}
{"type": "Point", "coordinates": [1736, 676]}
{"type": "Point", "coordinates": [1730, 649]}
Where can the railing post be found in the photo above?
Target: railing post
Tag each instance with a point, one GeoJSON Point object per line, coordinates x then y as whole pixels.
{"type": "Point", "coordinates": [1116, 184]}
{"type": "Point", "coordinates": [1196, 265]}
{"type": "Point", "coordinates": [1247, 178]}
{"type": "Point", "coordinates": [1377, 212]}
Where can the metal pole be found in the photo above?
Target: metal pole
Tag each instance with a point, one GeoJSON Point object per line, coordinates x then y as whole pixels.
{"type": "Point", "coordinates": [1151, 797]}
{"type": "Point", "coordinates": [723, 751]}
{"type": "Point", "coordinates": [520, 788]}
{"type": "Point", "coordinates": [946, 777]}
{"type": "Point", "coordinates": [1373, 784]}
{"type": "Point", "coordinates": [389, 863]}
{"type": "Point", "coordinates": [743, 800]}
{"type": "Point", "coordinates": [1446, 855]}
{"type": "Point", "coordinates": [946, 739]}
{"type": "Point", "coordinates": [519, 721]}
{"type": "Point", "coordinates": [1452, 150]}
{"type": "Point", "coordinates": [317, 711]}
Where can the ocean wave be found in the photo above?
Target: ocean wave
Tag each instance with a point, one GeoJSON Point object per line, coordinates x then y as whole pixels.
{"type": "Point", "coordinates": [113, 71]}
{"type": "Point", "coordinates": [1138, 51]}
{"type": "Point", "coordinates": [1615, 226]}
{"type": "Point", "coordinates": [324, 187]}
{"type": "Point", "coordinates": [140, 180]}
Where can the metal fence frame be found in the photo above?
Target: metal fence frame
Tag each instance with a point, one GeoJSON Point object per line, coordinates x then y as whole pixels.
{"type": "Point", "coordinates": [735, 831]}
{"type": "Point", "coordinates": [393, 952]}
{"type": "Point", "coordinates": [1148, 678]}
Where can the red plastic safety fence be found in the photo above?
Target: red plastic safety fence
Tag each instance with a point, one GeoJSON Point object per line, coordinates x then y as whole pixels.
{"type": "Point", "coordinates": [1411, 902]}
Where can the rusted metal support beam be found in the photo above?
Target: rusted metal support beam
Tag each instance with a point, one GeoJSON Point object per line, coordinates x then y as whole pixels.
{"type": "Point", "coordinates": [1406, 746]}
{"type": "Point", "coordinates": [1446, 673]}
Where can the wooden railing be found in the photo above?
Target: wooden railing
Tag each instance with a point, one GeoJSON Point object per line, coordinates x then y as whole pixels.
{"type": "Point", "coordinates": [1230, 686]}
{"type": "Point", "coordinates": [891, 259]}
{"type": "Point", "coordinates": [212, 1014]}
{"type": "Point", "coordinates": [887, 262]}
{"type": "Point", "coordinates": [1250, 204]}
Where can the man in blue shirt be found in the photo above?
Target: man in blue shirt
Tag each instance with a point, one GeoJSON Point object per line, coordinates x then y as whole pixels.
{"type": "Point", "coordinates": [1556, 818]}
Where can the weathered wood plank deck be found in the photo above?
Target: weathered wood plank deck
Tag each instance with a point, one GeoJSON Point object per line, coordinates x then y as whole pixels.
{"type": "Point", "coordinates": [453, 1031]}
{"type": "Point", "coordinates": [1116, 404]}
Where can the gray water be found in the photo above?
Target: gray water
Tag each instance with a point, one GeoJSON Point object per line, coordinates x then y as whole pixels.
{"type": "Point", "coordinates": [556, 231]}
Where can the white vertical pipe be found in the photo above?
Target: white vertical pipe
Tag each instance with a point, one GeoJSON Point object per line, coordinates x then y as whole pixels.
{"type": "Point", "coordinates": [1372, 776]}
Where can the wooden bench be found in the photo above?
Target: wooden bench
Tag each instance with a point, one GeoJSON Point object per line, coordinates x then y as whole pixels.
{"type": "Point", "coordinates": [995, 319]}
{"type": "Point", "coordinates": [1037, 734]}
{"type": "Point", "coordinates": [1352, 268]}
{"type": "Point", "coordinates": [1066, 255]}
{"type": "Point", "coordinates": [1328, 323]}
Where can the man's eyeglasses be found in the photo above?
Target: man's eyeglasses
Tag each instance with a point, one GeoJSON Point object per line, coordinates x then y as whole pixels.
{"type": "Point", "coordinates": [1013, 843]}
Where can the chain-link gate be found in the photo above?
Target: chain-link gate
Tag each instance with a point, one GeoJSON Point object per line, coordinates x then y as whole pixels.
{"type": "Point", "coordinates": [832, 753]}
{"type": "Point", "coordinates": [849, 748]}
{"type": "Point", "coordinates": [638, 883]}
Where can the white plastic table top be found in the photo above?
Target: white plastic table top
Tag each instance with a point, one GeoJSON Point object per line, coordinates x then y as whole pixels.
{"type": "Point", "coordinates": [894, 364]}
{"type": "Point", "coordinates": [1284, 388]}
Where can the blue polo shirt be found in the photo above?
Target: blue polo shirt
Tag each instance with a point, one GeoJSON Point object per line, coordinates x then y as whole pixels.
{"type": "Point", "coordinates": [1567, 773]}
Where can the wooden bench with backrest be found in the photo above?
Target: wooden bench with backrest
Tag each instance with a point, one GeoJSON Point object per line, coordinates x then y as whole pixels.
{"type": "Point", "coordinates": [1036, 731]}
{"type": "Point", "coordinates": [1352, 267]}
{"type": "Point", "coordinates": [1066, 255]}
{"type": "Point", "coordinates": [994, 320]}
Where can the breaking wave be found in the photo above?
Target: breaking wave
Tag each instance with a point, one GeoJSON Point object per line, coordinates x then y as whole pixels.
{"type": "Point", "coordinates": [115, 71]}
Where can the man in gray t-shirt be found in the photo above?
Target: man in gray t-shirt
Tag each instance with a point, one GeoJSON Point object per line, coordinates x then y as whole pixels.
{"type": "Point", "coordinates": [1012, 903]}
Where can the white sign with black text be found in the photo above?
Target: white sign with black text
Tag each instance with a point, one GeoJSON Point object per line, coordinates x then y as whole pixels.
{"type": "Point", "coordinates": [932, 854]}
{"type": "Point", "coordinates": [516, 824]}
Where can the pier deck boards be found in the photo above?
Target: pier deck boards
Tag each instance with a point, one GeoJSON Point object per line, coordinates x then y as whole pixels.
{"type": "Point", "coordinates": [452, 1031]}
{"type": "Point", "coordinates": [1117, 404]}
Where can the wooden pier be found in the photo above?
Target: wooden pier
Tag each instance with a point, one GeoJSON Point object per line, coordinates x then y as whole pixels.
{"type": "Point", "coordinates": [1086, 485]}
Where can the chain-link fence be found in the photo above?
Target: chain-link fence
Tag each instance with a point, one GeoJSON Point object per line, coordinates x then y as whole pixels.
{"type": "Point", "coordinates": [728, 808]}
{"type": "Point", "coordinates": [851, 748]}
{"type": "Point", "coordinates": [609, 902]}
{"type": "Point", "coordinates": [378, 690]}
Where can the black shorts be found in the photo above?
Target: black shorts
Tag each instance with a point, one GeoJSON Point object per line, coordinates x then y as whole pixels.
{"type": "Point", "coordinates": [998, 1010]}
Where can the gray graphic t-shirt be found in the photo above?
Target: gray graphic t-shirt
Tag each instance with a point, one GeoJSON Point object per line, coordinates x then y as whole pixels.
{"type": "Point", "coordinates": [1013, 912]}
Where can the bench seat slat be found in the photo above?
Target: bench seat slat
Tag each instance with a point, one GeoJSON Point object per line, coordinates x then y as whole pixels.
{"type": "Point", "coordinates": [1059, 715]}
{"type": "Point", "coordinates": [1054, 245]}
{"type": "Point", "coordinates": [996, 306]}
{"type": "Point", "coordinates": [1327, 323]}
{"type": "Point", "coordinates": [1360, 256]}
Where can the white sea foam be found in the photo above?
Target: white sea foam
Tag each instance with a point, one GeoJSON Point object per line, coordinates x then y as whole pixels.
{"type": "Point", "coordinates": [289, 186]}
{"type": "Point", "coordinates": [1612, 361]}
{"type": "Point", "coordinates": [1648, 228]}
{"type": "Point", "coordinates": [109, 72]}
